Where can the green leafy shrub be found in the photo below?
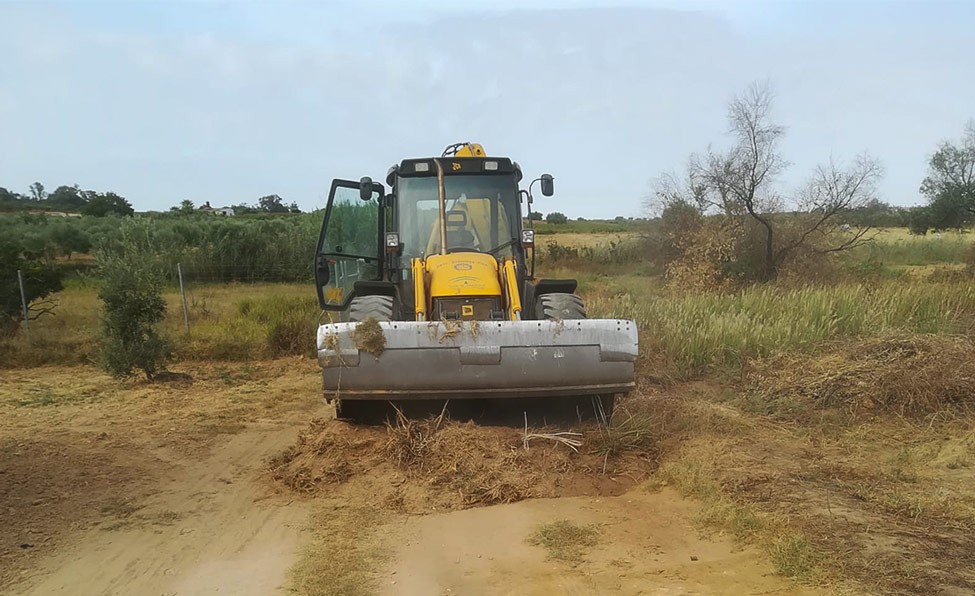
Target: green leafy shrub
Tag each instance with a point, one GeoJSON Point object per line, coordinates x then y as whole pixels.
{"type": "Point", "coordinates": [133, 305]}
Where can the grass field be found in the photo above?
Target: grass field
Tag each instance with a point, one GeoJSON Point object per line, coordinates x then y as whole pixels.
{"type": "Point", "coordinates": [227, 322]}
{"type": "Point", "coordinates": [691, 333]}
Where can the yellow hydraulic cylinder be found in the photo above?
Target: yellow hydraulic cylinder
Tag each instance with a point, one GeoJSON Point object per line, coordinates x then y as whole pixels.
{"type": "Point", "coordinates": [419, 289]}
{"type": "Point", "coordinates": [511, 285]}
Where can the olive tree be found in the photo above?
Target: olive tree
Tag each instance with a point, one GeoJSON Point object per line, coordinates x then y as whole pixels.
{"type": "Point", "coordinates": [133, 304]}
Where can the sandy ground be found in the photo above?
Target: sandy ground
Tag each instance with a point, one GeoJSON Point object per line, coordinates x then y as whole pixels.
{"type": "Point", "coordinates": [227, 533]}
{"type": "Point", "coordinates": [646, 545]}
{"type": "Point", "coordinates": [112, 488]}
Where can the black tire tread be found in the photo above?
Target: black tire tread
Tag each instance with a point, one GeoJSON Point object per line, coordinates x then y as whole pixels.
{"type": "Point", "coordinates": [380, 308]}
{"type": "Point", "coordinates": [559, 306]}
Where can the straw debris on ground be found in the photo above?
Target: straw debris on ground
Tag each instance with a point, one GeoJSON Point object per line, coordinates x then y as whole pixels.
{"type": "Point", "coordinates": [416, 465]}
{"type": "Point", "coordinates": [904, 374]}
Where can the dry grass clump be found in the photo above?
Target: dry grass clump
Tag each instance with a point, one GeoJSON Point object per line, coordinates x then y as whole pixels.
{"type": "Point", "coordinates": [907, 374]}
{"type": "Point", "coordinates": [368, 336]}
{"type": "Point", "coordinates": [564, 540]}
{"type": "Point", "coordinates": [630, 432]}
{"type": "Point", "coordinates": [344, 556]}
{"type": "Point", "coordinates": [482, 468]}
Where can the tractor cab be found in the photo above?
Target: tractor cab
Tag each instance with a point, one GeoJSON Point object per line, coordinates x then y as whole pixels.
{"type": "Point", "coordinates": [462, 202]}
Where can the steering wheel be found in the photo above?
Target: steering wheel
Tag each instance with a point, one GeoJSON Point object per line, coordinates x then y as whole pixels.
{"type": "Point", "coordinates": [501, 247]}
{"type": "Point", "coordinates": [461, 249]}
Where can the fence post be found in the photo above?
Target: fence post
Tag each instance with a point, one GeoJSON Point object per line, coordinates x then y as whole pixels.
{"type": "Point", "coordinates": [23, 302]}
{"type": "Point", "coordinates": [182, 292]}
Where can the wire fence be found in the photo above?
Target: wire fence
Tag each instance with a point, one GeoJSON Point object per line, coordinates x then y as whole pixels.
{"type": "Point", "coordinates": [205, 293]}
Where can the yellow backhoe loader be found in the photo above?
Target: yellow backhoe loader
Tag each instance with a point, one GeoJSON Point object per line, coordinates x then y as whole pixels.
{"type": "Point", "coordinates": [435, 287]}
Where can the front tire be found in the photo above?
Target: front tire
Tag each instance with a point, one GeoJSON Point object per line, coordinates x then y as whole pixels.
{"type": "Point", "coordinates": [363, 308]}
{"type": "Point", "coordinates": [559, 306]}
{"type": "Point", "coordinates": [380, 308]}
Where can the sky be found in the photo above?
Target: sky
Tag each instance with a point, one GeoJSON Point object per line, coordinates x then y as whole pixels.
{"type": "Point", "coordinates": [229, 101]}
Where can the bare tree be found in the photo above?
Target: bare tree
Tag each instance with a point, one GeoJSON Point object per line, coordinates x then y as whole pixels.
{"type": "Point", "coordinates": [832, 191]}
{"type": "Point", "coordinates": [740, 183]}
{"type": "Point", "coordinates": [740, 179]}
{"type": "Point", "coordinates": [668, 190]}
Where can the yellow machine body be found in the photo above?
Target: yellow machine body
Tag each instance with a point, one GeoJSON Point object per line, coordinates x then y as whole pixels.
{"type": "Point", "coordinates": [466, 286]}
{"type": "Point", "coordinates": [462, 274]}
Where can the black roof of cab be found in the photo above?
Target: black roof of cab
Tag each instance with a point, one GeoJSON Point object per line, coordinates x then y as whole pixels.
{"type": "Point", "coordinates": [454, 166]}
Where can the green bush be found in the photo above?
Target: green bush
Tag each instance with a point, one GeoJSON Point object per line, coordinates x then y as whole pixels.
{"type": "Point", "coordinates": [133, 305]}
{"type": "Point", "coordinates": [262, 248]}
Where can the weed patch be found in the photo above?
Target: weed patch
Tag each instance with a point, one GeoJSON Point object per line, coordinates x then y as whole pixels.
{"type": "Point", "coordinates": [564, 540]}
{"type": "Point", "coordinates": [344, 556]}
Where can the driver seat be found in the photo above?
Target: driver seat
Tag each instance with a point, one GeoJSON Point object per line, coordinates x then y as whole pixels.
{"type": "Point", "coordinates": [462, 238]}
{"type": "Point", "coordinates": [458, 235]}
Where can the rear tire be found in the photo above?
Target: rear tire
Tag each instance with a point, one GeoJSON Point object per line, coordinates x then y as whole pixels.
{"type": "Point", "coordinates": [559, 306]}
{"type": "Point", "coordinates": [380, 308]}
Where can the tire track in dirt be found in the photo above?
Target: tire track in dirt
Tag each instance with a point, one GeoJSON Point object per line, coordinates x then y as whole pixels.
{"type": "Point", "coordinates": [211, 527]}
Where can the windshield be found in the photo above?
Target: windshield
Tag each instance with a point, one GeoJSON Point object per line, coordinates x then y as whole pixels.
{"type": "Point", "coordinates": [482, 214]}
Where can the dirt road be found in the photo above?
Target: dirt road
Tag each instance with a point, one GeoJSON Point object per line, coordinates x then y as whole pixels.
{"type": "Point", "coordinates": [212, 527]}
{"type": "Point", "coordinates": [138, 489]}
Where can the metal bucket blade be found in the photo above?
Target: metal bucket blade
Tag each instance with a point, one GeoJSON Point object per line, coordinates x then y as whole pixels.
{"type": "Point", "coordinates": [456, 360]}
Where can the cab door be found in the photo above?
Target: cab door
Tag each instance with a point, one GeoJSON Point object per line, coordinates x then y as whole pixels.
{"type": "Point", "coordinates": [349, 242]}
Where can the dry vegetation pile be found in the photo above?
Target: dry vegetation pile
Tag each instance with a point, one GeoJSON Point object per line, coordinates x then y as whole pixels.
{"type": "Point", "coordinates": [905, 374]}
{"type": "Point", "coordinates": [420, 465]}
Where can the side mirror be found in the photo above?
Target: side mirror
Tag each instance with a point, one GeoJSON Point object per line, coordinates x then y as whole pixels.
{"type": "Point", "coordinates": [365, 188]}
{"type": "Point", "coordinates": [548, 185]}
{"type": "Point", "coordinates": [392, 243]}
